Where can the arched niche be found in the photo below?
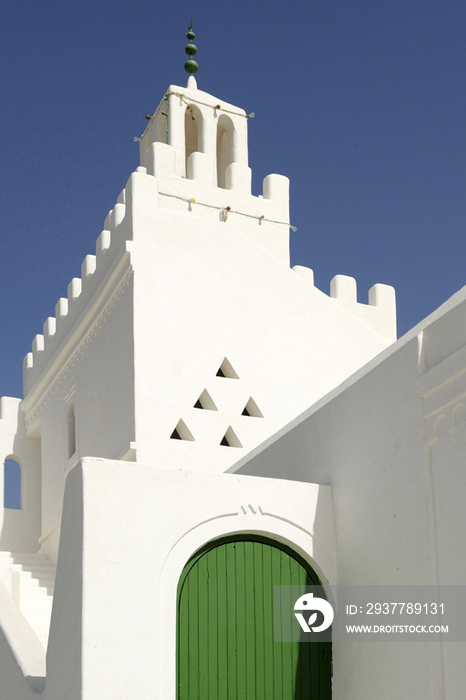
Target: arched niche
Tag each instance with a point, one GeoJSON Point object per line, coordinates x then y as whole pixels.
{"type": "Point", "coordinates": [12, 483]}
{"type": "Point", "coordinates": [148, 141]}
{"type": "Point", "coordinates": [192, 131]}
{"type": "Point", "coordinates": [161, 133]}
{"type": "Point", "coordinates": [225, 625]}
{"type": "Point", "coordinates": [157, 132]}
{"type": "Point", "coordinates": [71, 428]}
{"type": "Point", "coordinates": [225, 133]}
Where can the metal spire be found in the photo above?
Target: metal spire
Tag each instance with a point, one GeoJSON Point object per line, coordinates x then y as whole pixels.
{"type": "Point", "coordinates": [191, 66]}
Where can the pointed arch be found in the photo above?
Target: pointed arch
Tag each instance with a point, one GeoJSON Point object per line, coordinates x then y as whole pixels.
{"type": "Point", "coordinates": [192, 131]}
{"type": "Point", "coordinates": [225, 135]}
{"type": "Point", "coordinates": [161, 128]}
{"type": "Point", "coordinates": [71, 428]}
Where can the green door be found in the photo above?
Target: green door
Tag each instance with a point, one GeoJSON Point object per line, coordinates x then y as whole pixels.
{"type": "Point", "coordinates": [225, 647]}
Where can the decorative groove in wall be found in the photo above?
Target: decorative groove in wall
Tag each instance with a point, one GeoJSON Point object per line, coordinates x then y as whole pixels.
{"type": "Point", "coordinates": [226, 370]}
{"type": "Point", "coordinates": [249, 509]}
{"type": "Point", "coordinates": [230, 439]}
{"type": "Point", "coordinates": [252, 409]}
{"type": "Point", "coordinates": [182, 432]}
{"type": "Point", "coordinates": [205, 402]}
{"type": "Point", "coordinates": [228, 400]}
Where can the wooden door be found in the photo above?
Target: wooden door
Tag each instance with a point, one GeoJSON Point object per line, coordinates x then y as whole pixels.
{"type": "Point", "coordinates": [225, 647]}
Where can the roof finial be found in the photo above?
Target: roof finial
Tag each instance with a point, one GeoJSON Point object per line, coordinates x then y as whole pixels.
{"type": "Point", "coordinates": [191, 66]}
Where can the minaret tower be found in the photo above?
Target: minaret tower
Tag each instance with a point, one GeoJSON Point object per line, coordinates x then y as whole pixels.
{"type": "Point", "coordinates": [195, 145]}
{"type": "Point", "coordinates": [188, 340]}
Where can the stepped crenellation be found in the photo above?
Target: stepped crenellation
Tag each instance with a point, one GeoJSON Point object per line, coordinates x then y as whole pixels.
{"type": "Point", "coordinates": [380, 311]}
{"type": "Point", "coordinates": [67, 310]}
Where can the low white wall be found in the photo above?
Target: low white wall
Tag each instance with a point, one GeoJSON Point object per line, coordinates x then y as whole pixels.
{"type": "Point", "coordinates": [115, 636]}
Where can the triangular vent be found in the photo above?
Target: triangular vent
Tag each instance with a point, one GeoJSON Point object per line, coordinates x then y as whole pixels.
{"type": "Point", "coordinates": [182, 432]}
{"type": "Point", "coordinates": [252, 409]}
{"type": "Point", "coordinates": [205, 401]}
{"type": "Point", "coordinates": [226, 370]}
{"type": "Point", "coordinates": [230, 439]}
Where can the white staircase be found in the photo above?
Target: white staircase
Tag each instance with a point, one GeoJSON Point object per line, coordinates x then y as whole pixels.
{"type": "Point", "coordinates": [37, 580]}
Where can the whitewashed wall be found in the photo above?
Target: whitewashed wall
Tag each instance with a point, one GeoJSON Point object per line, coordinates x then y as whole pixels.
{"type": "Point", "coordinates": [127, 532]}
{"type": "Point", "coordinates": [391, 442]}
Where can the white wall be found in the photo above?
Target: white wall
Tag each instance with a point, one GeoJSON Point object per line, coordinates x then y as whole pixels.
{"type": "Point", "coordinates": [208, 284]}
{"type": "Point", "coordinates": [93, 367]}
{"type": "Point", "coordinates": [391, 442]}
{"type": "Point", "coordinates": [127, 532]}
{"type": "Point", "coordinates": [205, 291]}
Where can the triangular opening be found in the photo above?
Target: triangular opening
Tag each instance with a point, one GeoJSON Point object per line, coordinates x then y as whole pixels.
{"type": "Point", "coordinates": [226, 370]}
{"type": "Point", "coordinates": [252, 409]}
{"type": "Point", "coordinates": [182, 432]}
{"type": "Point", "coordinates": [205, 401]}
{"type": "Point", "coordinates": [230, 439]}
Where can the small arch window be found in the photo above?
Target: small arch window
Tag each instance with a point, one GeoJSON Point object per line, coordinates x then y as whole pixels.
{"type": "Point", "coordinates": [71, 428]}
{"type": "Point", "coordinates": [161, 127]}
{"type": "Point", "coordinates": [148, 142]}
{"type": "Point", "coordinates": [12, 484]}
{"type": "Point", "coordinates": [192, 131]}
{"type": "Point", "coordinates": [224, 148]}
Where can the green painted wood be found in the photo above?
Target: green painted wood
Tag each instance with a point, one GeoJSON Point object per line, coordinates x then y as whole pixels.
{"type": "Point", "coordinates": [225, 647]}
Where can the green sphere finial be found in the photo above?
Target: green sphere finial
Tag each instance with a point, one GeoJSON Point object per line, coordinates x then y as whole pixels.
{"type": "Point", "coordinates": [191, 66]}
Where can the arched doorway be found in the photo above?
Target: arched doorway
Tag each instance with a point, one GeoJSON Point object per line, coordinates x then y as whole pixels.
{"type": "Point", "coordinates": [225, 626]}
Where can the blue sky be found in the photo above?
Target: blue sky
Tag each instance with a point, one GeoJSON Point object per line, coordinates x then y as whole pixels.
{"type": "Point", "coordinates": [361, 104]}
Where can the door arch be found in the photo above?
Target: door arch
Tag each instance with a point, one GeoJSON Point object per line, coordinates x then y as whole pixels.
{"type": "Point", "coordinates": [225, 626]}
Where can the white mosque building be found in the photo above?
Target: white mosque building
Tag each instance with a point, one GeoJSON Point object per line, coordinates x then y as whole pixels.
{"type": "Point", "coordinates": [201, 423]}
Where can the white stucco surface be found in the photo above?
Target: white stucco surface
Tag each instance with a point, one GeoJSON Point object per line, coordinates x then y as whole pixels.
{"type": "Point", "coordinates": [391, 443]}
{"type": "Point", "coordinates": [136, 450]}
{"type": "Point", "coordinates": [140, 524]}
{"type": "Point", "coordinates": [188, 272]}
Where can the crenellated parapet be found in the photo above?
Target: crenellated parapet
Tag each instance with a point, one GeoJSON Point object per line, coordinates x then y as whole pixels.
{"type": "Point", "coordinates": [194, 164]}
{"type": "Point", "coordinates": [104, 269]}
{"type": "Point", "coordinates": [380, 312]}
{"type": "Point", "coordinates": [194, 161]}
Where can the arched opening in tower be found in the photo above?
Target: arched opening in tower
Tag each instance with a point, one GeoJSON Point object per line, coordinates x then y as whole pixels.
{"type": "Point", "coordinates": [224, 148]}
{"type": "Point", "coordinates": [192, 127]}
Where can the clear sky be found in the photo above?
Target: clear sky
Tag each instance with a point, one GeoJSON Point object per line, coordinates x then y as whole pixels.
{"type": "Point", "coordinates": [361, 104]}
